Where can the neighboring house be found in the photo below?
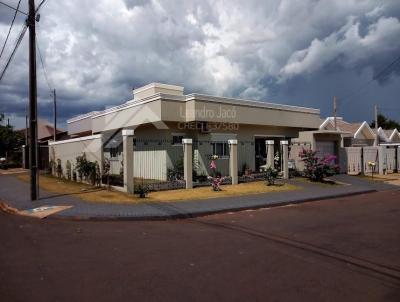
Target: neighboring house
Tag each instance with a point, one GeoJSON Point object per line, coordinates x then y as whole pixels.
{"type": "Point", "coordinates": [45, 131]}
{"type": "Point", "coordinates": [45, 134]}
{"type": "Point", "coordinates": [388, 137]}
{"type": "Point", "coordinates": [163, 113]}
{"type": "Point", "coordinates": [353, 134]}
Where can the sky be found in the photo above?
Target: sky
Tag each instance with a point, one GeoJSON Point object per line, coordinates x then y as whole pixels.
{"type": "Point", "coordinates": [291, 52]}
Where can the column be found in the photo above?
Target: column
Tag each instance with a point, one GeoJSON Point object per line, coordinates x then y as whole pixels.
{"type": "Point", "coordinates": [188, 162]}
{"type": "Point", "coordinates": [233, 160]}
{"type": "Point", "coordinates": [285, 159]}
{"type": "Point", "coordinates": [382, 166]}
{"type": "Point", "coordinates": [269, 145]}
{"type": "Point", "coordinates": [127, 143]}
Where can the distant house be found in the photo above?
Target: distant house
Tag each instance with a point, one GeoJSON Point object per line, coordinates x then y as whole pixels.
{"type": "Point", "coordinates": [353, 134]}
{"type": "Point", "coordinates": [45, 131]}
{"type": "Point", "coordinates": [386, 136]}
{"type": "Point", "coordinates": [361, 134]}
{"type": "Point", "coordinates": [45, 134]}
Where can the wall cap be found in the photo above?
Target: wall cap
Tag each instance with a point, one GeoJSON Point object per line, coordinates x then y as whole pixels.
{"type": "Point", "coordinates": [232, 141]}
{"type": "Point", "coordinates": [187, 141]}
{"type": "Point", "coordinates": [128, 132]}
{"type": "Point", "coordinates": [284, 142]}
{"type": "Point", "coordinates": [72, 140]}
{"type": "Point", "coordinates": [269, 142]}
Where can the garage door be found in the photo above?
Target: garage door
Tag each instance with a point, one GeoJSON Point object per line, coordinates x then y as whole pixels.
{"type": "Point", "coordinates": [325, 147]}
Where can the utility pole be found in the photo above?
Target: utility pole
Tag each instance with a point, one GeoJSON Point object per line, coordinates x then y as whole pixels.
{"type": "Point", "coordinates": [376, 125]}
{"type": "Point", "coordinates": [55, 114]}
{"type": "Point", "coordinates": [32, 101]}
{"type": "Point", "coordinates": [26, 126]}
{"type": "Point", "coordinates": [334, 112]}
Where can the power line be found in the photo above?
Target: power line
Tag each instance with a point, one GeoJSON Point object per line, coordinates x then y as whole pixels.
{"type": "Point", "coordinates": [17, 43]}
{"type": "Point", "coordinates": [9, 31]}
{"type": "Point", "coordinates": [40, 5]}
{"type": "Point", "coordinates": [384, 72]}
{"type": "Point", "coordinates": [13, 8]}
{"type": "Point", "coordinates": [44, 68]}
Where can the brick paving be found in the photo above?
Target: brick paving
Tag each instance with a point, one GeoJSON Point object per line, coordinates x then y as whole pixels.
{"type": "Point", "coordinates": [16, 194]}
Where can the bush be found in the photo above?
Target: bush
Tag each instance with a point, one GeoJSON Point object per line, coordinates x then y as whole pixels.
{"type": "Point", "coordinates": [142, 190]}
{"type": "Point", "coordinates": [86, 169]}
{"type": "Point", "coordinates": [316, 168]}
{"type": "Point", "coordinates": [270, 175]}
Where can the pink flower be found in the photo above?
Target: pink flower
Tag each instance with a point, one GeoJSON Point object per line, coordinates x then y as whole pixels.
{"type": "Point", "coordinates": [213, 165]}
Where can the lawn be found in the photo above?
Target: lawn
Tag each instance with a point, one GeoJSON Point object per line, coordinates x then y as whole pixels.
{"type": "Point", "coordinates": [93, 194]}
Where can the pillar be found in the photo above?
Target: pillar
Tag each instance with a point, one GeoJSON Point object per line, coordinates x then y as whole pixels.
{"type": "Point", "coordinates": [233, 160]}
{"type": "Point", "coordinates": [188, 162]}
{"type": "Point", "coordinates": [127, 143]}
{"type": "Point", "coordinates": [382, 166]}
{"type": "Point", "coordinates": [269, 145]}
{"type": "Point", "coordinates": [285, 159]}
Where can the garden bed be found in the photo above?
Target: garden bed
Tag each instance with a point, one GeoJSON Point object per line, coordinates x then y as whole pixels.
{"type": "Point", "coordinates": [93, 194]}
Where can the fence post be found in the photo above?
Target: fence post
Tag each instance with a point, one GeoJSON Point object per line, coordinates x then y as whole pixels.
{"type": "Point", "coordinates": [187, 162]}
{"type": "Point", "coordinates": [233, 160]}
{"type": "Point", "coordinates": [285, 159]}
{"type": "Point", "coordinates": [127, 143]}
{"type": "Point", "coordinates": [270, 153]}
{"type": "Point", "coordinates": [382, 159]}
{"type": "Point", "coordinates": [398, 159]}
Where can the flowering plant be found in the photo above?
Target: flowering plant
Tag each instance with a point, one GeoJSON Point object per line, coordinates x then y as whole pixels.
{"type": "Point", "coordinates": [316, 167]}
{"type": "Point", "coordinates": [216, 180]}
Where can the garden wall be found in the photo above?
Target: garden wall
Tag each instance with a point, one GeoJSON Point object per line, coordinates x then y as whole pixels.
{"type": "Point", "coordinates": [69, 150]}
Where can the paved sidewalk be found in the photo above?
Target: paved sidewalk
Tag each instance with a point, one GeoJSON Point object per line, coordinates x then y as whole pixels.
{"type": "Point", "coordinates": [16, 194]}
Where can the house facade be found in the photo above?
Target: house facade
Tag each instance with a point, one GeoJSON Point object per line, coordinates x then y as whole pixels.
{"type": "Point", "coordinates": [162, 115]}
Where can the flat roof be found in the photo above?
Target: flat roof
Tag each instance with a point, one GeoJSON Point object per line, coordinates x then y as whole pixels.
{"type": "Point", "coordinates": [199, 97]}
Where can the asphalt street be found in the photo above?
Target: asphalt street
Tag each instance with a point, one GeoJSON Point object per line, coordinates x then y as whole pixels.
{"type": "Point", "coordinates": [344, 249]}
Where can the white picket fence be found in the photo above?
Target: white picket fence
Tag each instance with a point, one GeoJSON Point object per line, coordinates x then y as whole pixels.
{"type": "Point", "coordinates": [357, 160]}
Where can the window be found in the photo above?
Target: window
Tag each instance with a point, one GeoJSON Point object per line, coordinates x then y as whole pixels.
{"type": "Point", "coordinates": [115, 151]}
{"type": "Point", "coordinates": [177, 139]}
{"type": "Point", "coordinates": [220, 149]}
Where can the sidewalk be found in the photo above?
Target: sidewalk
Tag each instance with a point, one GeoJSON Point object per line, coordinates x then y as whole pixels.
{"type": "Point", "coordinates": [15, 193]}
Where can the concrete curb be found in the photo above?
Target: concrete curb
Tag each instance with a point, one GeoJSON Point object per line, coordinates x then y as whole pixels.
{"type": "Point", "coordinates": [204, 213]}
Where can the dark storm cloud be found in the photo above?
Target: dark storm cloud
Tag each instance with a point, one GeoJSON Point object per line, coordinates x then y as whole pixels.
{"type": "Point", "coordinates": [295, 52]}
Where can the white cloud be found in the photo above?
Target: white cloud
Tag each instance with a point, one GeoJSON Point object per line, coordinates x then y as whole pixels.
{"type": "Point", "coordinates": [96, 51]}
{"type": "Point", "coordinates": [348, 43]}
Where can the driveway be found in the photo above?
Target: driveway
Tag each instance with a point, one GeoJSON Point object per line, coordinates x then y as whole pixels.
{"type": "Point", "coordinates": [344, 249]}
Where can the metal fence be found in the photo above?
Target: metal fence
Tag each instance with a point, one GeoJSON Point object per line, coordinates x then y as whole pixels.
{"type": "Point", "coordinates": [158, 164]}
{"type": "Point", "coordinates": [205, 153]}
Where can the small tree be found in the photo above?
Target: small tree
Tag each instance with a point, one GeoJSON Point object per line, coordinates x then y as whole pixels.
{"type": "Point", "coordinates": [316, 168]}
{"type": "Point", "coordinates": [86, 169]}
{"type": "Point", "coordinates": [59, 168]}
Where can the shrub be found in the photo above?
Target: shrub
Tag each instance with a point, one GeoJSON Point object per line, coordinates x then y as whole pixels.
{"type": "Point", "coordinates": [86, 169]}
{"type": "Point", "coordinates": [142, 190]}
{"type": "Point", "coordinates": [270, 175]}
{"type": "Point", "coordinates": [177, 171]}
{"type": "Point", "coordinates": [59, 168]}
{"type": "Point", "coordinates": [316, 168]}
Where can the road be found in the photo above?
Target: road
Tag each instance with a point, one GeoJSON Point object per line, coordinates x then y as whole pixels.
{"type": "Point", "coordinates": [345, 249]}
